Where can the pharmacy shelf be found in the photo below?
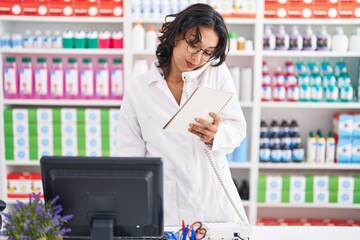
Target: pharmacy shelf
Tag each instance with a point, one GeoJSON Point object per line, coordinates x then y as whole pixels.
{"type": "Point", "coordinates": [309, 205]}
{"type": "Point", "coordinates": [23, 163]}
{"type": "Point", "coordinates": [305, 166]}
{"type": "Point", "coordinates": [246, 104]}
{"type": "Point", "coordinates": [312, 21]}
{"type": "Point", "coordinates": [60, 102]}
{"type": "Point", "coordinates": [63, 51]}
{"type": "Point", "coordinates": [230, 54]}
{"type": "Point", "coordinates": [311, 105]}
{"type": "Point", "coordinates": [240, 21]}
{"type": "Point", "coordinates": [47, 19]}
{"type": "Point", "coordinates": [317, 54]}
{"type": "Point", "coordinates": [235, 165]}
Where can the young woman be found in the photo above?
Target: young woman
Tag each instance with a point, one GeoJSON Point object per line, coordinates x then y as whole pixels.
{"type": "Point", "coordinates": [191, 53]}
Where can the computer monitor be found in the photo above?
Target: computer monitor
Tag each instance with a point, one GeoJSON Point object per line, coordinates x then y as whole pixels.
{"type": "Point", "coordinates": [108, 197]}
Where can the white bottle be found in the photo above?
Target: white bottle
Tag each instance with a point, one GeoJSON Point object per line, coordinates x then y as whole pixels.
{"type": "Point", "coordinates": [296, 40]}
{"type": "Point", "coordinates": [320, 148]}
{"type": "Point", "coordinates": [138, 37]}
{"type": "Point", "coordinates": [146, 8]}
{"type": "Point", "coordinates": [340, 41]}
{"type": "Point", "coordinates": [268, 39]}
{"type": "Point", "coordinates": [282, 39]}
{"type": "Point", "coordinates": [38, 39]}
{"type": "Point", "coordinates": [330, 149]}
{"type": "Point", "coordinates": [311, 148]}
{"type": "Point", "coordinates": [136, 9]}
{"type": "Point", "coordinates": [155, 9]}
{"type": "Point", "coordinates": [28, 40]}
{"type": "Point", "coordinates": [151, 39]}
{"type": "Point", "coordinates": [309, 40]}
{"type": "Point", "coordinates": [47, 41]}
{"type": "Point", "coordinates": [354, 45]}
{"type": "Point", "coordinates": [56, 39]}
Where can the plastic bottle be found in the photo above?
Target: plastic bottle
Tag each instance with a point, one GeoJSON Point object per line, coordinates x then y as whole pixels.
{"type": "Point", "coordinates": [233, 42]}
{"type": "Point", "coordinates": [117, 79]}
{"type": "Point", "coordinates": [28, 40]}
{"type": "Point", "coordinates": [26, 78]}
{"type": "Point", "coordinates": [151, 39]}
{"type": "Point", "coordinates": [354, 45]}
{"type": "Point", "coordinates": [117, 39]}
{"type": "Point", "coordinates": [47, 40]}
{"type": "Point", "coordinates": [293, 128]}
{"type": "Point", "coordinates": [330, 149]}
{"type": "Point", "coordinates": [328, 79]}
{"type": "Point", "coordinates": [92, 39]}
{"type": "Point", "coordinates": [284, 128]}
{"type": "Point", "coordinates": [331, 93]}
{"type": "Point", "coordinates": [323, 42]}
{"type": "Point", "coordinates": [155, 9]}
{"type": "Point", "coordinates": [80, 39]}
{"type": "Point", "coordinates": [136, 9]}
{"type": "Point", "coordinates": [244, 190]}
{"type": "Point", "coordinates": [11, 81]}
{"type": "Point", "coordinates": [311, 148]}
{"type": "Point", "coordinates": [293, 93]}
{"type": "Point", "coordinates": [41, 78]}
{"type": "Point", "coordinates": [146, 9]}
{"type": "Point", "coordinates": [320, 148]}
{"type": "Point", "coordinates": [138, 37]}
{"type": "Point", "coordinates": [295, 40]}
{"type": "Point", "coordinates": [343, 79]}
{"type": "Point", "coordinates": [340, 42]}
{"type": "Point", "coordinates": [316, 93]}
{"type": "Point", "coordinates": [275, 155]}
{"type": "Point", "coordinates": [309, 40]}
{"type": "Point", "coordinates": [57, 79]}
{"type": "Point", "coordinates": [285, 140]}
{"type": "Point", "coordinates": [298, 153]}
{"type": "Point", "coordinates": [16, 40]}
{"type": "Point", "coordinates": [264, 153]}
{"type": "Point", "coordinates": [87, 79]}
{"type": "Point", "coordinates": [6, 41]}
{"type": "Point", "coordinates": [274, 126]}
{"type": "Point", "coordinates": [282, 39]}
{"type": "Point", "coordinates": [68, 39]}
{"type": "Point", "coordinates": [285, 153]}
{"type": "Point", "coordinates": [269, 40]}
{"type": "Point", "coordinates": [38, 39]}
{"type": "Point", "coordinates": [56, 39]}
{"type": "Point", "coordinates": [72, 79]}
{"type": "Point", "coordinates": [346, 93]}
{"type": "Point", "coordinates": [305, 93]}
{"type": "Point", "coordinates": [102, 84]}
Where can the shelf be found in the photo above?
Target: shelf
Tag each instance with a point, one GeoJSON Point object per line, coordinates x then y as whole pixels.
{"type": "Point", "coordinates": [246, 104]}
{"type": "Point", "coordinates": [299, 166]}
{"type": "Point", "coordinates": [227, 20]}
{"type": "Point", "coordinates": [308, 205]}
{"type": "Point", "coordinates": [144, 53]}
{"type": "Point", "coordinates": [316, 54]}
{"type": "Point", "coordinates": [241, 54]}
{"type": "Point", "coordinates": [246, 203]}
{"type": "Point", "coordinates": [63, 51]}
{"type": "Point", "coordinates": [235, 165]}
{"type": "Point", "coordinates": [312, 21]}
{"type": "Point", "coordinates": [61, 102]}
{"type": "Point", "coordinates": [24, 163]}
{"type": "Point", "coordinates": [311, 105]}
{"type": "Point", "coordinates": [46, 19]}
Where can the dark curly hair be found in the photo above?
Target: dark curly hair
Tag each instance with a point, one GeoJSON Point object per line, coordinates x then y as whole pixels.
{"type": "Point", "coordinates": [195, 15]}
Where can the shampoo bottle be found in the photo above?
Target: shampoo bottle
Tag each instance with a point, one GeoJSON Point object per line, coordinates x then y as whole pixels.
{"type": "Point", "coordinates": [309, 40]}
{"type": "Point", "coordinates": [330, 149]}
{"type": "Point", "coordinates": [268, 39]}
{"type": "Point", "coordinates": [340, 41]}
{"type": "Point", "coordinates": [282, 39]}
{"type": "Point", "coordinates": [296, 40]}
{"type": "Point", "coordinates": [354, 45]}
{"type": "Point", "coordinates": [323, 40]}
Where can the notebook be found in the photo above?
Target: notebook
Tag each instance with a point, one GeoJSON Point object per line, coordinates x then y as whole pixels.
{"type": "Point", "coordinates": [203, 101]}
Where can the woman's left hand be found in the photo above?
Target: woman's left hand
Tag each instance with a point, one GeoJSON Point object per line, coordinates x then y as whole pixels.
{"type": "Point", "coordinates": [205, 130]}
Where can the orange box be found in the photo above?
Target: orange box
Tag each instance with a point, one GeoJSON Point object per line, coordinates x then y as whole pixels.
{"type": "Point", "coordinates": [86, 8]}
{"type": "Point", "coordinates": [325, 8]}
{"type": "Point", "coordinates": [349, 9]}
{"type": "Point", "coordinates": [11, 7]}
{"type": "Point", "coordinates": [61, 8]}
{"type": "Point", "coordinates": [111, 8]}
{"type": "Point", "coordinates": [35, 8]}
{"type": "Point", "coordinates": [274, 9]}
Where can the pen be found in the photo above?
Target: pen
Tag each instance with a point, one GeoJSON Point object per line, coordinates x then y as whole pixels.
{"type": "Point", "coordinates": [193, 234]}
{"type": "Point", "coordinates": [183, 225]}
{"type": "Point", "coordinates": [185, 232]}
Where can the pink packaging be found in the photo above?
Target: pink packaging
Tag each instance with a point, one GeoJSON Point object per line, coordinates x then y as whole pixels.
{"type": "Point", "coordinates": [72, 79]}
{"type": "Point", "coordinates": [117, 40]}
{"type": "Point", "coordinates": [11, 78]}
{"type": "Point", "coordinates": [57, 79]}
{"type": "Point", "coordinates": [87, 79]}
{"type": "Point", "coordinates": [26, 78]}
{"type": "Point", "coordinates": [117, 79]}
{"type": "Point", "coordinates": [102, 88]}
{"type": "Point", "coordinates": [41, 79]}
{"type": "Point", "coordinates": [104, 39]}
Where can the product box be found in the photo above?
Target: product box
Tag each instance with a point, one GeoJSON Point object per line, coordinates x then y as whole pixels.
{"type": "Point", "coordinates": [93, 146]}
{"type": "Point", "coordinates": [343, 124]}
{"type": "Point", "coordinates": [345, 197]}
{"type": "Point", "coordinates": [113, 146]}
{"type": "Point", "coordinates": [36, 184]}
{"type": "Point", "coordinates": [275, 9]}
{"type": "Point", "coordinates": [111, 8]}
{"type": "Point", "coordinates": [273, 196]}
{"type": "Point", "coordinates": [273, 183]}
{"type": "Point", "coordinates": [44, 115]}
{"type": "Point", "coordinates": [11, 7]}
{"type": "Point", "coordinates": [20, 128]}
{"type": "Point", "coordinates": [86, 8]}
{"type": "Point", "coordinates": [92, 116]}
{"type": "Point", "coordinates": [69, 129]}
{"type": "Point", "coordinates": [20, 115]}
{"type": "Point", "coordinates": [61, 8]}
{"type": "Point", "coordinates": [113, 121]}
{"type": "Point", "coordinates": [344, 150]}
{"type": "Point", "coordinates": [356, 126]}
{"type": "Point", "coordinates": [20, 154]}
{"type": "Point", "coordinates": [45, 145]}
{"type": "Point", "coordinates": [297, 196]}
{"type": "Point", "coordinates": [244, 9]}
{"type": "Point", "coordinates": [346, 183]}
{"type": "Point", "coordinates": [325, 8]}
{"type": "Point", "coordinates": [321, 196]}
{"type": "Point", "coordinates": [297, 183]}
{"type": "Point", "coordinates": [45, 129]}
{"type": "Point", "coordinates": [299, 11]}
{"type": "Point", "coordinates": [18, 185]}
{"type": "Point", "coordinates": [321, 183]}
{"type": "Point", "coordinates": [349, 9]}
{"type": "Point", "coordinates": [93, 130]}
{"type": "Point", "coordinates": [35, 8]}
{"type": "Point", "coordinates": [68, 115]}
{"type": "Point", "coordinates": [69, 145]}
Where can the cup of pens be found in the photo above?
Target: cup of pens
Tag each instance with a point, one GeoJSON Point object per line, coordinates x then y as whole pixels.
{"type": "Point", "coordinates": [195, 231]}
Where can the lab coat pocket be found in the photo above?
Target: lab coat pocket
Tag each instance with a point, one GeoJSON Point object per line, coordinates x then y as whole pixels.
{"type": "Point", "coordinates": [170, 204]}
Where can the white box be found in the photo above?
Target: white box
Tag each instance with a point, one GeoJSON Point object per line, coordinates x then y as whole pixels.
{"type": "Point", "coordinates": [112, 146]}
{"type": "Point", "coordinates": [68, 115]}
{"type": "Point", "coordinates": [93, 145]}
{"type": "Point", "coordinates": [92, 115]}
{"type": "Point", "coordinates": [345, 197]}
{"type": "Point", "coordinates": [321, 196]}
{"type": "Point", "coordinates": [321, 183]}
{"type": "Point", "coordinates": [21, 185]}
{"type": "Point", "coordinates": [69, 152]}
{"type": "Point", "coordinates": [273, 196]}
{"type": "Point", "coordinates": [69, 142]}
{"type": "Point", "coordinates": [273, 183]}
{"type": "Point", "coordinates": [297, 196]}
{"type": "Point", "coordinates": [93, 129]}
{"type": "Point", "coordinates": [93, 152]}
{"type": "Point", "coordinates": [44, 115]}
{"type": "Point", "coordinates": [21, 154]}
{"type": "Point", "coordinates": [20, 115]}
{"type": "Point", "coordinates": [297, 183]}
{"type": "Point", "coordinates": [45, 152]}
{"type": "Point", "coordinates": [69, 129]}
{"type": "Point", "coordinates": [20, 128]}
{"type": "Point", "coordinates": [346, 183]}
{"type": "Point", "coordinates": [21, 141]}
{"type": "Point", "coordinates": [45, 128]}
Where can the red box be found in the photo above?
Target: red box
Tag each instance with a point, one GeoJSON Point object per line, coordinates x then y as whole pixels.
{"type": "Point", "coordinates": [86, 8]}
{"type": "Point", "coordinates": [61, 8]}
{"type": "Point", "coordinates": [325, 8]}
{"type": "Point", "coordinates": [299, 11]}
{"type": "Point", "coordinates": [35, 8]}
{"type": "Point", "coordinates": [11, 7]}
{"type": "Point", "coordinates": [111, 8]}
{"type": "Point", "coordinates": [274, 9]}
{"type": "Point", "coordinates": [349, 9]}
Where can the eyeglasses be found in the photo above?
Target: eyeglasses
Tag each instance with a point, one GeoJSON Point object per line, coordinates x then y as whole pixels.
{"type": "Point", "coordinates": [206, 54]}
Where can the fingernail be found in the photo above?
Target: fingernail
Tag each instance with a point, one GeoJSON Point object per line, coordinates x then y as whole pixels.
{"type": "Point", "coordinates": [197, 119]}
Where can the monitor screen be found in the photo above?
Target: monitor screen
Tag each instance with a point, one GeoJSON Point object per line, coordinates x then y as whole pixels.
{"type": "Point", "coordinates": [107, 196]}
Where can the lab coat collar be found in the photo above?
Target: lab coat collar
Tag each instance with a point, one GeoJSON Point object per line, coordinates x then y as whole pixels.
{"type": "Point", "coordinates": [157, 75]}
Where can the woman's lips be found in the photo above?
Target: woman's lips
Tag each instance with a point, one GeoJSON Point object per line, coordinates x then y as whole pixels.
{"type": "Point", "coordinates": [190, 65]}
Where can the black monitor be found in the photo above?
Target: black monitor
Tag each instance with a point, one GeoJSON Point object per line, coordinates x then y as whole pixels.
{"type": "Point", "coordinates": [108, 197]}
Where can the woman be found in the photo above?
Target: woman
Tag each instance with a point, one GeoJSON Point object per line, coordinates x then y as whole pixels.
{"type": "Point", "coordinates": [191, 53]}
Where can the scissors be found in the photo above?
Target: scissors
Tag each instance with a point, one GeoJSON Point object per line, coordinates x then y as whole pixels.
{"type": "Point", "coordinates": [199, 230]}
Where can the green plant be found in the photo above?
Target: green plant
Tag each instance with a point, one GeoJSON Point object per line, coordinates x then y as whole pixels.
{"type": "Point", "coordinates": [35, 220]}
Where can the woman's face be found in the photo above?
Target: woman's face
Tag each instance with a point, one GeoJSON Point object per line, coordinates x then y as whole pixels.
{"type": "Point", "coordinates": [188, 56]}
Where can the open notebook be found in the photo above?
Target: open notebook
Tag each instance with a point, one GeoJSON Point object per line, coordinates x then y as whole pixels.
{"type": "Point", "coordinates": [203, 101]}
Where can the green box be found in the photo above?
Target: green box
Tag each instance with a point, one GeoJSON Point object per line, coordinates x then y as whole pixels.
{"type": "Point", "coordinates": [309, 183]}
{"type": "Point", "coordinates": [261, 197]}
{"type": "Point", "coordinates": [357, 183]}
{"type": "Point", "coordinates": [309, 196]}
{"type": "Point", "coordinates": [262, 183]}
{"type": "Point", "coordinates": [333, 183]}
{"type": "Point", "coordinates": [356, 197]}
{"type": "Point", "coordinates": [285, 196]}
{"type": "Point", "coordinates": [333, 197]}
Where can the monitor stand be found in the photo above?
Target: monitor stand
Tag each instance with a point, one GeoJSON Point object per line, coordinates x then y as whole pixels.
{"type": "Point", "coordinates": [102, 228]}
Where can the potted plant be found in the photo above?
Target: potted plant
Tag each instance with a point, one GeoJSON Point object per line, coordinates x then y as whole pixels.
{"type": "Point", "coordinates": [35, 220]}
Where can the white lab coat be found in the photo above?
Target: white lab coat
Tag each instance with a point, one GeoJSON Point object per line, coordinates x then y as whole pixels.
{"type": "Point", "coordinates": [191, 189]}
